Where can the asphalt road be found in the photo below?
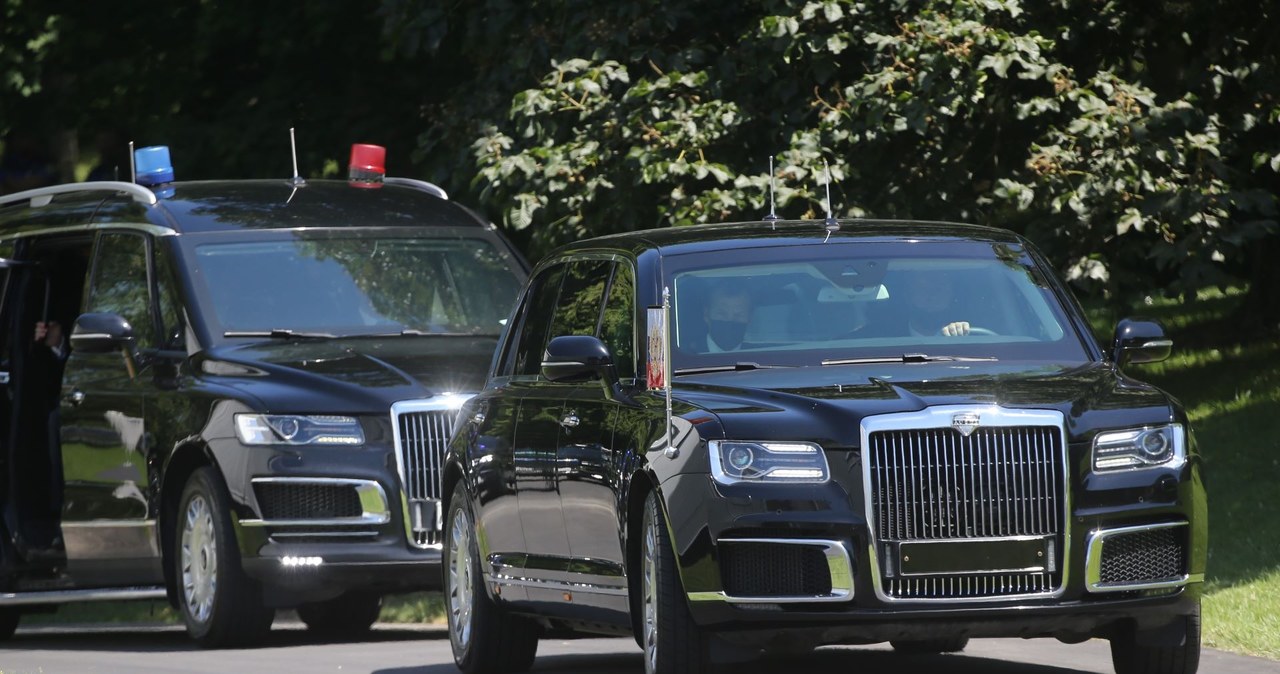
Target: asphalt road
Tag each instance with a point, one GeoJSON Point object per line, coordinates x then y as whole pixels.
{"type": "Point", "coordinates": [397, 649]}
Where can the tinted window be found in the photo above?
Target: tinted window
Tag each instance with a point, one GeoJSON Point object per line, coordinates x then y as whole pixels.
{"type": "Point", "coordinates": [806, 305]}
{"type": "Point", "coordinates": [359, 285]}
{"type": "Point", "coordinates": [581, 296]}
{"type": "Point", "coordinates": [618, 320]}
{"type": "Point", "coordinates": [533, 336]}
{"type": "Point", "coordinates": [172, 323]}
{"type": "Point", "coordinates": [120, 283]}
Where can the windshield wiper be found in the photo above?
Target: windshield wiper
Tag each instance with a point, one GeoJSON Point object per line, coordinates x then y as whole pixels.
{"type": "Point", "coordinates": [279, 333]}
{"type": "Point", "coordinates": [909, 358]}
{"type": "Point", "coordinates": [413, 332]}
{"type": "Point", "coordinates": [737, 367]}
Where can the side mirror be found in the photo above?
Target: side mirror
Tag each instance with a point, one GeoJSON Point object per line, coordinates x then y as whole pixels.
{"type": "Point", "coordinates": [101, 333]}
{"type": "Point", "coordinates": [1139, 340]}
{"type": "Point", "coordinates": [571, 357]}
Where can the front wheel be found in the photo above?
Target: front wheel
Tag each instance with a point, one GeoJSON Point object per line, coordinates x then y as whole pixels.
{"type": "Point", "coordinates": [348, 615]}
{"type": "Point", "coordinates": [484, 637]}
{"type": "Point", "coordinates": [672, 642]}
{"type": "Point", "coordinates": [1129, 656]}
{"type": "Point", "coordinates": [219, 604]}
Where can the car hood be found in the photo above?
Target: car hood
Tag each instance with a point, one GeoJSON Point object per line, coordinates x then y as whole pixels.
{"type": "Point", "coordinates": [827, 404]}
{"type": "Point", "coordinates": [349, 376]}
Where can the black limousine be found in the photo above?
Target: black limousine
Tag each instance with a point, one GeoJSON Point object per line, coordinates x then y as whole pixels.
{"type": "Point", "coordinates": [751, 437]}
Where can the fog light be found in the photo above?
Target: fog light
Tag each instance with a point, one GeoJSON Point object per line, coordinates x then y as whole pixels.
{"type": "Point", "coordinates": [293, 562]}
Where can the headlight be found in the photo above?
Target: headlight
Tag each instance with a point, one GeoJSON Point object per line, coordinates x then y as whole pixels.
{"type": "Point", "coordinates": [735, 461]}
{"type": "Point", "coordinates": [1139, 448]}
{"type": "Point", "coordinates": [294, 429]}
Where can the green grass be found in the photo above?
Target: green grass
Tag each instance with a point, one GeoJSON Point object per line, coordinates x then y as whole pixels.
{"type": "Point", "coordinates": [1231, 387]}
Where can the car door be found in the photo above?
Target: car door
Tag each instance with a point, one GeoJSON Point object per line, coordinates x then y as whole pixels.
{"type": "Point", "coordinates": [107, 520]}
{"type": "Point", "coordinates": [517, 484]}
{"type": "Point", "coordinates": [589, 473]}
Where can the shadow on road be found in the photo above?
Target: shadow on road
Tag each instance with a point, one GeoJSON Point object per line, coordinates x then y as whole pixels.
{"type": "Point", "coordinates": [861, 660]}
{"type": "Point", "coordinates": [149, 639]}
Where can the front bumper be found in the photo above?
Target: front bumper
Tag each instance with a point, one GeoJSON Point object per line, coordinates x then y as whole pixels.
{"type": "Point", "coordinates": [708, 518]}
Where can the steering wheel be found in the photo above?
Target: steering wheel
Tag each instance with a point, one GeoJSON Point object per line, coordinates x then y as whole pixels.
{"type": "Point", "coordinates": [975, 330]}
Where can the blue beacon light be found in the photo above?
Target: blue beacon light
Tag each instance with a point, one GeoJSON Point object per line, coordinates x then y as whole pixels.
{"type": "Point", "coordinates": [154, 169]}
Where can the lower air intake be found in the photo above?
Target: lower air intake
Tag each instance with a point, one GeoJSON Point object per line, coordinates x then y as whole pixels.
{"type": "Point", "coordinates": [1144, 556]}
{"type": "Point", "coordinates": [774, 570]}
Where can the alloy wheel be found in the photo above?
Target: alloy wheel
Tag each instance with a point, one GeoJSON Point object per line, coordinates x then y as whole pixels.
{"type": "Point", "coordinates": [199, 559]}
{"type": "Point", "coordinates": [460, 581]}
{"type": "Point", "coordinates": [650, 595]}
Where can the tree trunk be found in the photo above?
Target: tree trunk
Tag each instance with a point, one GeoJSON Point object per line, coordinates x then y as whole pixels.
{"type": "Point", "coordinates": [1260, 310]}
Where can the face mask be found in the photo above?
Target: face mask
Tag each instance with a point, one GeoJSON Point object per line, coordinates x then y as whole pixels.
{"type": "Point", "coordinates": [727, 334]}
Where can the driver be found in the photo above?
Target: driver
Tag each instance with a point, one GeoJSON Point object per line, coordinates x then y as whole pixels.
{"type": "Point", "coordinates": [929, 294]}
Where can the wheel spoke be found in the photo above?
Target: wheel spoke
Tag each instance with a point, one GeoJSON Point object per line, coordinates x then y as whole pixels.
{"type": "Point", "coordinates": [461, 581]}
{"type": "Point", "coordinates": [649, 571]}
{"type": "Point", "coordinates": [199, 563]}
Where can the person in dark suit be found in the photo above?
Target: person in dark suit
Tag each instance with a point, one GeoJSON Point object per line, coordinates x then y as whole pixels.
{"type": "Point", "coordinates": [932, 312]}
{"type": "Point", "coordinates": [726, 314]}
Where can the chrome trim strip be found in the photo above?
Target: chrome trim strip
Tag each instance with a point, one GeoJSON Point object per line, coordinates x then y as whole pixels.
{"type": "Point", "coordinates": [838, 565]}
{"type": "Point", "coordinates": [373, 503]}
{"type": "Point", "coordinates": [323, 534]}
{"type": "Point", "coordinates": [69, 596]}
{"type": "Point", "coordinates": [941, 416]}
{"type": "Point", "coordinates": [1093, 561]}
{"type": "Point", "coordinates": [440, 403]}
{"type": "Point", "coordinates": [139, 193]}
{"type": "Point", "coordinates": [110, 524]}
{"type": "Point", "coordinates": [557, 585]}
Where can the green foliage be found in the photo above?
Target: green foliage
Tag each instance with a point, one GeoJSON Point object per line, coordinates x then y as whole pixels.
{"type": "Point", "coordinates": [1140, 164]}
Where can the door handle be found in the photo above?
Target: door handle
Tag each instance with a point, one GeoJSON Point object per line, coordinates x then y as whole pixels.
{"type": "Point", "coordinates": [570, 421]}
{"type": "Point", "coordinates": [75, 397]}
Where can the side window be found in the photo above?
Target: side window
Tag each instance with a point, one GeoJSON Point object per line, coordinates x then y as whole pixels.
{"type": "Point", "coordinates": [618, 320]}
{"type": "Point", "coordinates": [578, 311]}
{"type": "Point", "coordinates": [120, 283]}
{"type": "Point", "coordinates": [172, 321]}
{"type": "Point", "coordinates": [533, 337]}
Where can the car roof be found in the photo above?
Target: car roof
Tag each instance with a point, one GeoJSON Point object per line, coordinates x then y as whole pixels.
{"type": "Point", "coordinates": [763, 234]}
{"type": "Point", "coordinates": [232, 205]}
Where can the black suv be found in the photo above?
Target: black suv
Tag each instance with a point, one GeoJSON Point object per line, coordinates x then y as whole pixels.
{"type": "Point", "coordinates": [237, 395]}
{"type": "Point", "coordinates": [725, 439]}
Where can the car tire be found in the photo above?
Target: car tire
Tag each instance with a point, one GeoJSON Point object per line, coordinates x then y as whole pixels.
{"type": "Point", "coordinates": [1128, 656]}
{"type": "Point", "coordinates": [929, 646]}
{"type": "Point", "coordinates": [220, 605]}
{"type": "Point", "coordinates": [672, 642]}
{"type": "Point", "coordinates": [347, 615]}
{"type": "Point", "coordinates": [9, 618]}
{"type": "Point", "coordinates": [485, 638]}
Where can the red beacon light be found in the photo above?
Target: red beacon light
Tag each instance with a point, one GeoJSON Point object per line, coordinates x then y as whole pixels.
{"type": "Point", "coordinates": [368, 165]}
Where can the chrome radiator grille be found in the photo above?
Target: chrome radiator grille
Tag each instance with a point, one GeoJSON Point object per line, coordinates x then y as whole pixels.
{"type": "Point", "coordinates": [422, 439]}
{"type": "Point", "coordinates": [936, 484]}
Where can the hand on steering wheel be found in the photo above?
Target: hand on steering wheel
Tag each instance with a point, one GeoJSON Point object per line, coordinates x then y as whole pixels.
{"type": "Point", "coordinates": [964, 328]}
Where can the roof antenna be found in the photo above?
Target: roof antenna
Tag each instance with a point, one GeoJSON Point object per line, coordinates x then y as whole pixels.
{"type": "Point", "coordinates": [133, 170]}
{"type": "Point", "coordinates": [830, 223]}
{"type": "Point", "coordinates": [297, 180]}
{"type": "Point", "coordinates": [772, 217]}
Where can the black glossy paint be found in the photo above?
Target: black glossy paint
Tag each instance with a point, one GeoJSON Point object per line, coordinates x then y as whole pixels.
{"type": "Point", "coordinates": [135, 423]}
{"type": "Point", "coordinates": [607, 462]}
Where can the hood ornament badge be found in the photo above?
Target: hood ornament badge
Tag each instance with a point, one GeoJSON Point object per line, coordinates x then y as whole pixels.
{"type": "Point", "coordinates": [966, 423]}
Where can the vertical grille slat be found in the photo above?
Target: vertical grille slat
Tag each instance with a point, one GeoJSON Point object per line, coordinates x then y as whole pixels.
{"type": "Point", "coordinates": [936, 484]}
{"type": "Point", "coordinates": [424, 438]}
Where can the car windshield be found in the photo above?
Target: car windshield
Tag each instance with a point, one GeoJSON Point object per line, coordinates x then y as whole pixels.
{"type": "Point", "coordinates": [865, 301]}
{"type": "Point", "coordinates": [358, 286]}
